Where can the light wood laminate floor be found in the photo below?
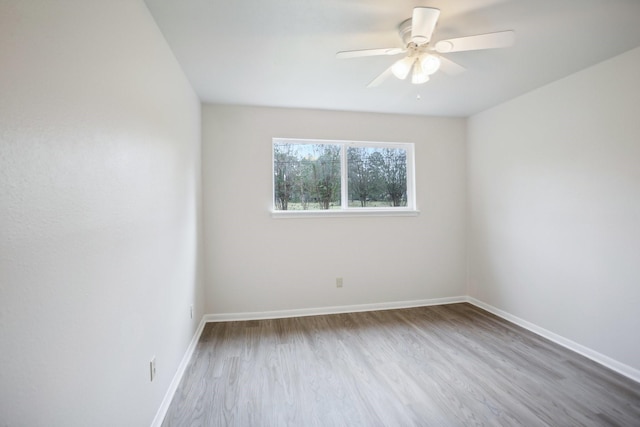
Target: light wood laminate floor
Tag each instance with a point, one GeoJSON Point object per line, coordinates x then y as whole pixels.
{"type": "Point", "coordinates": [450, 365]}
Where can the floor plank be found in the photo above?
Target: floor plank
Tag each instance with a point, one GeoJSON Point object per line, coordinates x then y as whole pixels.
{"type": "Point", "coordinates": [450, 365]}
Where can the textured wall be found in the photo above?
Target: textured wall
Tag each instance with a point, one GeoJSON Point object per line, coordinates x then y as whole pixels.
{"type": "Point", "coordinates": [99, 213]}
{"type": "Point", "coordinates": [554, 224]}
{"type": "Point", "coordinates": [258, 263]}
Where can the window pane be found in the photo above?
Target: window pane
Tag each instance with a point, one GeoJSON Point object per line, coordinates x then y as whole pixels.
{"type": "Point", "coordinates": [377, 177]}
{"type": "Point", "coordinates": [306, 176]}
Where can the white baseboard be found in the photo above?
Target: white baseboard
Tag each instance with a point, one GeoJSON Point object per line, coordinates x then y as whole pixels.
{"type": "Point", "coordinates": [317, 311]}
{"type": "Point", "coordinates": [610, 363]}
{"type": "Point", "coordinates": [173, 386]}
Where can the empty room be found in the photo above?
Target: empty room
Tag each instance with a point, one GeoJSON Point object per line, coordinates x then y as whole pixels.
{"type": "Point", "coordinates": [329, 213]}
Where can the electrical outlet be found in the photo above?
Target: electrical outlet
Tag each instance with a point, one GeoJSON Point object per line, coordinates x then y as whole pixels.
{"type": "Point", "coordinates": [152, 368]}
{"type": "Point", "coordinates": [338, 282]}
{"type": "Point", "coordinates": [191, 311]}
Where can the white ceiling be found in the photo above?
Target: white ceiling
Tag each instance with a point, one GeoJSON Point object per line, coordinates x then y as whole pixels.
{"type": "Point", "coordinates": [282, 52]}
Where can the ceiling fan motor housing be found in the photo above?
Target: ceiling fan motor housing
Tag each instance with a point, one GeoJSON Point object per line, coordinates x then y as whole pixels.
{"type": "Point", "coordinates": [404, 29]}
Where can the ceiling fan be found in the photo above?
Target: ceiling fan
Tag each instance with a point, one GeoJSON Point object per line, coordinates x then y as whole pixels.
{"type": "Point", "coordinates": [423, 59]}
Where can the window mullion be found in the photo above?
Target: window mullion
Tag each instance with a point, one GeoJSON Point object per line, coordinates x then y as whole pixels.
{"type": "Point", "coordinates": [344, 190]}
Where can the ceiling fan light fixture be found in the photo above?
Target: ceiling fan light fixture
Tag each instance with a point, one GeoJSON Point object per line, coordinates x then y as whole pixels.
{"type": "Point", "coordinates": [430, 64]}
{"type": "Point", "coordinates": [402, 67]}
{"type": "Point", "coordinates": [419, 75]}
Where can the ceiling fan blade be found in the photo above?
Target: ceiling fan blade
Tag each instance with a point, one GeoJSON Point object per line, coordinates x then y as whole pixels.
{"type": "Point", "coordinates": [423, 22]}
{"type": "Point", "coordinates": [382, 77]}
{"type": "Point", "coordinates": [482, 41]}
{"type": "Point", "coordinates": [369, 52]}
{"type": "Point", "coordinates": [449, 67]}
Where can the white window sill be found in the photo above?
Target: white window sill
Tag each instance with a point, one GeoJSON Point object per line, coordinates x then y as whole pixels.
{"type": "Point", "coordinates": [332, 213]}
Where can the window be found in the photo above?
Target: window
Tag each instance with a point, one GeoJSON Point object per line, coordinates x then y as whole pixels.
{"type": "Point", "coordinates": [342, 177]}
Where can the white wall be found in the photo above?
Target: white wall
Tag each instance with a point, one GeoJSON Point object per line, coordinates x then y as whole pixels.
{"type": "Point", "coordinates": [554, 223]}
{"type": "Point", "coordinates": [99, 213]}
{"type": "Point", "coordinates": [257, 263]}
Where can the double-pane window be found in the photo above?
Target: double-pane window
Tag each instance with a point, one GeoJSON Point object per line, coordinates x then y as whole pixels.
{"type": "Point", "coordinates": [312, 175]}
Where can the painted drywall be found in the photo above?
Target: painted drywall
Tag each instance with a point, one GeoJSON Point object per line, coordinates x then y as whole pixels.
{"type": "Point", "coordinates": [256, 263]}
{"type": "Point", "coordinates": [554, 207]}
{"type": "Point", "coordinates": [99, 213]}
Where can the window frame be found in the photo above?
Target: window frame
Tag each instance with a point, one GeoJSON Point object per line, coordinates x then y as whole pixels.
{"type": "Point", "coordinates": [345, 210]}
